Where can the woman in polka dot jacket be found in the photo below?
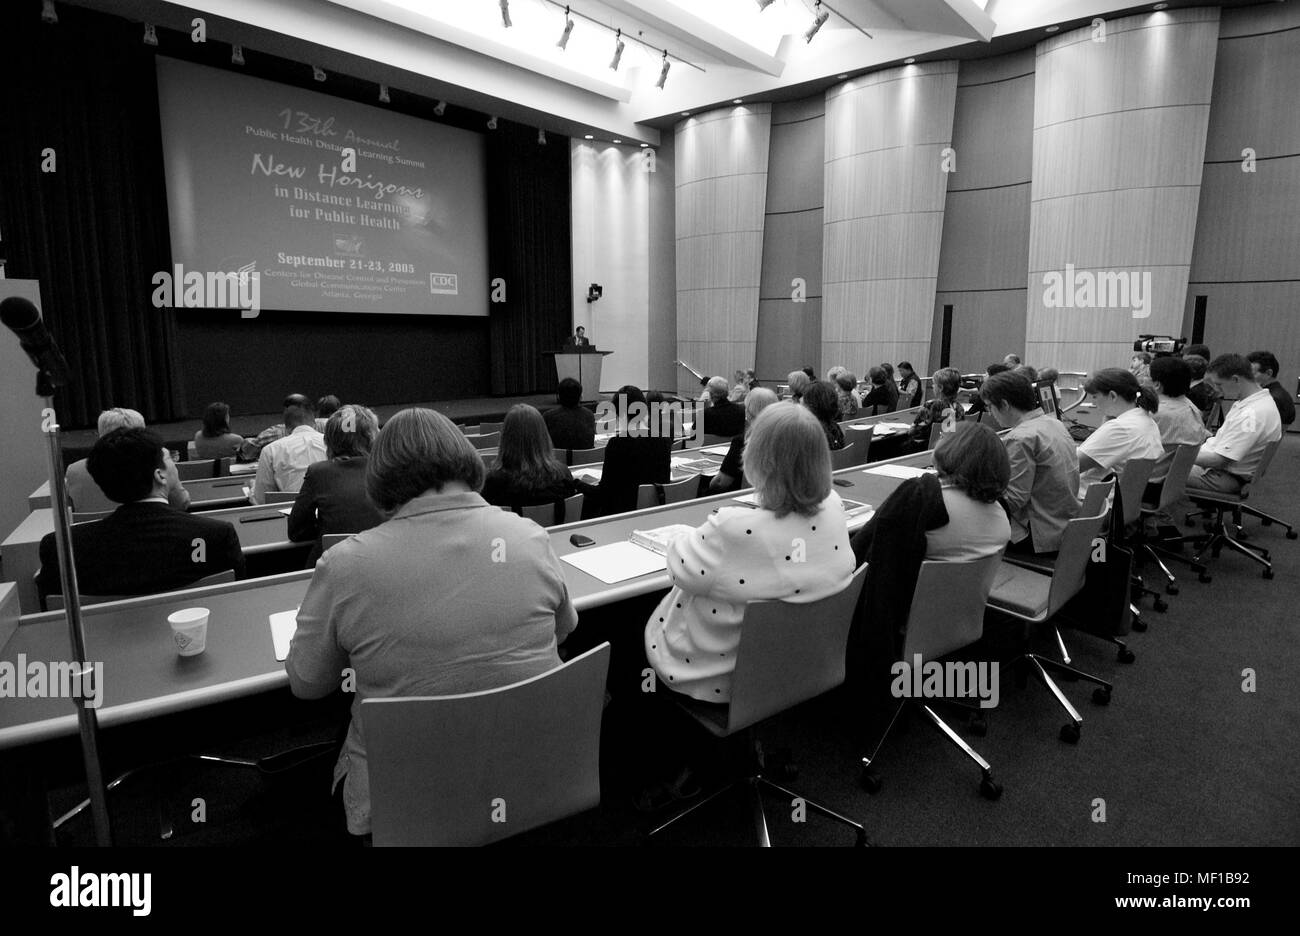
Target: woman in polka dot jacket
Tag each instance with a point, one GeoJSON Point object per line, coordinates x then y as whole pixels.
{"type": "Point", "coordinates": [794, 547]}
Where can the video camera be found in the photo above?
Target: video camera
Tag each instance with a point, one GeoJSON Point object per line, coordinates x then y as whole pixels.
{"type": "Point", "coordinates": [1159, 345]}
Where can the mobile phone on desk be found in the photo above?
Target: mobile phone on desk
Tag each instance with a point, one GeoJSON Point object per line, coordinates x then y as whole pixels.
{"type": "Point", "coordinates": [843, 482]}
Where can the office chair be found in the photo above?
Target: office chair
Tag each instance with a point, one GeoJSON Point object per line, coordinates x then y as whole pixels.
{"type": "Point", "coordinates": [1034, 598]}
{"type": "Point", "coordinates": [196, 469]}
{"type": "Point", "coordinates": [845, 457]}
{"type": "Point", "coordinates": [788, 653]}
{"type": "Point", "coordinates": [553, 513]}
{"type": "Point", "coordinates": [1131, 483]}
{"type": "Point", "coordinates": [679, 491]}
{"type": "Point", "coordinates": [487, 428]}
{"type": "Point", "coordinates": [330, 540]}
{"type": "Point", "coordinates": [591, 456]}
{"type": "Point", "coordinates": [861, 445]}
{"type": "Point", "coordinates": [475, 768]}
{"type": "Point", "coordinates": [481, 442]}
{"type": "Point", "coordinates": [947, 615]}
{"type": "Point", "coordinates": [1171, 492]}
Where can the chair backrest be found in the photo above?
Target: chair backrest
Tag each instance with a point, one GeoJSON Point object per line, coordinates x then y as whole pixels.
{"type": "Point", "coordinates": [280, 497]}
{"type": "Point", "coordinates": [936, 430]}
{"type": "Point", "coordinates": [545, 514]}
{"type": "Point", "coordinates": [1133, 478]}
{"type": "Point", "coordinates": [85, 516]}
{"type": "Point", "coordinates": [589, 456]}
{"type": "Point", "coordinates": [573, 508]}
{"type": "Point", "coordinates": [55, 602]}
{"type": "Point", "coordinates": [1072, 560]}
{"type": "Point", "coordinates": [948, 606]}
{"type": "Point", "coordinates": [466, 429]}
{"type": "Point", "coordinates": [647, 495]}
{"type": "Point", "coordinates": [1179, 470]}
{"type": "Point", "coordinates": [486, 441]}
{"type": "Point", "coordinates": [196, 470]}
{"type": "Point", "coordinates": [790, 653]}
{"type": "Point", "coordinates": [475, 768]}
{"type": "Point", "coordinates": [1095, 498]}
{"type": "Point", "coordinates": [861, 445]}
{"type": "Point", "coordinates": [487, 428]}
{"type": "Point", "coordinates": [679, 491]}
{"type": "Point", "coordinates": [845, 457]}
{"type": "Point", "coordinates": [560, 455]}
{"type": "Point", "coordinates": [330, 540]}
{"type": "Point", "coordinates": [223, 467]}
{"type": "Point", "coordinates": [1265, 460]}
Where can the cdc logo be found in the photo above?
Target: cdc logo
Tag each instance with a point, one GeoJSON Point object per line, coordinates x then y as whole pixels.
{"type": "Point", "coordinates": [443, 284]}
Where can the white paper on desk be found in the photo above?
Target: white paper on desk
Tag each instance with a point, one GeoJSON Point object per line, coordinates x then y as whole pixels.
{"type": "Point", "coordinates": [590, 475]}
{"type": "Point", "coordinates": [897, 471]}
{"type": "Point", "coordinates": [286, 510]}
{"type": "Point", "coordinates": [283, 625]}
{"type": "Point", "coordinates": [893, 427]}
{"type": "Point", "coordinates": [616, 562]}
{"type": "Point", "coordinates": [716, 449]}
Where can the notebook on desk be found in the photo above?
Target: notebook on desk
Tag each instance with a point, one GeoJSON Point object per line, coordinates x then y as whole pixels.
{"type": "Point", "coordinates": [899, 471]}
{"type": "Point", "coordinates": [640, 554]}
{"type": "Point", "coordinates": [283, 626]}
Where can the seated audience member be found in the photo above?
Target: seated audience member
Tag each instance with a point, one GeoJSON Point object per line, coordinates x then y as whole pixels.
{"type": "Point", "coordinates": [84, 494]}
{"type": "Point", "coordinates": [742, 554]}
{"type": "Point", "coordinates": [889, 376]}
{"type": "Point", "coordinates": [812, 374]}
{"type": "Point", "coordinates": [943, 409]}
{"type": "Point", "coordinates": [833, 373]}
{"type": "Point", "coordinates": [1049, 373]}
{"type": "Point", "coordinates": [526, 472]}
{"type": "Point", "coordinates": [730, 476]}
{"type": "Point", "coordinates": [1140, 366]}
{"type": "Point", "coordinates": [632, 458]}
{"type": "Point", "coordinates": [1267, 370]}
{"type": "Point", "coordinates": [909, 386]}
{"type": "Point", "coordinates": [1042, 494]}
{"type": "Point", "coordinates": [847, 394]}
{"type": "Point", "coordinates": [883, 396]}
{"type": "Point", "coordinates": [1200, 350]}
{"type": "Point", "coordinates": [326, 407]}
{"type": "Point", "coordinates": [416, 606]}
{"type": "Point", "coordinates": [799, 382]}
{"type": "Point", "coordinates": [976, 405]}
{"type": "Point", "coordinates": [1177, 417]}
{"type": "Point", "coordinates": [822, 400]}
{"type": "Point", "coordinates": [1128, 432]}
{"type": "Point", "coordinates": [145, 545]}
{"type": "Point", "coordinates": [215, 440]}
{"type": "Point", "coordinates": [1201, 392]}
{"type": "Point", "coordinates": [571, 425]}
{"type": "Point", "coordinates": [283, 463]}
{"type": "Point", "coordinates": [1010, 361]}
{"type": "Point", "coordinates": [1026, 371]}
{"type": "Point", "coordinates": [744, 381]}
{"type": "Point", "coordinates": [722, 417]}
{"type": "Point", "coordinates": [252, 448]}
{"type": "Point", "coordinates": [333, 494]}
{"type": "Point", "coordinates": [952, 517]}
{"type": "Point", "coordinates": [1230, 457]}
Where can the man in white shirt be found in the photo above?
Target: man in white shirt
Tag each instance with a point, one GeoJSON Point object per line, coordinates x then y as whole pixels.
{"type": "Point", "coordinates": [1128, 432]}
{"type": "Point", "coordinates": [283, 463]}
{"type": "Point", "coordinates": [1232, 455]}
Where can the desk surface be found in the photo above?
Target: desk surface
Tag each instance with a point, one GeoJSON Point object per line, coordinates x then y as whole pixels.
{"type": "Point", "coordinates": [144, 677]}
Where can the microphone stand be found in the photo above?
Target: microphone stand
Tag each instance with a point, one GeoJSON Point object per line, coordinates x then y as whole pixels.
{"type": "Point", "coordinates": [87, 720]}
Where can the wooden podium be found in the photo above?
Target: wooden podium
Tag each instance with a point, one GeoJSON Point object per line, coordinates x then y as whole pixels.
{"type": "Point", "coordinates": [583, 365]}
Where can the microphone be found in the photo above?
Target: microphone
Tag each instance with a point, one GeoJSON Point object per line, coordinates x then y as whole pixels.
{"type": "Point", "coordinates": [25, 320]}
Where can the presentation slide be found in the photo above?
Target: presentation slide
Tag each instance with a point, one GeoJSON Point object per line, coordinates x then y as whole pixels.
{"type": "Point", "coordinates": [261, 178]}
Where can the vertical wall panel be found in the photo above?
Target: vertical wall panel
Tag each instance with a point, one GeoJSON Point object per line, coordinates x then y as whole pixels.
{"type": "Point", "coordinates": [789, 332]}
{"type": "Point", "coordinates": [986, 215]}
{"type": "Point", "coordinates": [884, 204]}
{"type": "Point", "coordinates": [611, 246]}
{"type": "Point", "coordinates": [1119, 139]}
{"type": "Point", "coordinates": [1247, 256]}
{"type": "Point", "coordinates": [720, 161]}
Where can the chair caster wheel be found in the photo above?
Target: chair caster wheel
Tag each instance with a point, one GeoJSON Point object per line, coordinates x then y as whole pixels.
{"type": "Point", "coordinates": [1101, 696]}
{"type": "Point", "coordinates": [1139, 625]}
{"type": "Point", "coordinates": [870, 781]}
{"type": "Point", "coordinates": [1171, 589]}
{"type": "Point", "coordinates": [1070, 733]}
{"type": "Point", "coordinates": [1268, 573]}
{"type": "Point", "coordinates": [1292, 534]}
{"type": "Point", "coordinates": [1161, 605]}
{"type": "Point", "coordinates": [990, 789]}
{"type": "Point", "coordinates": [978, 725]}
{"type": "Point", "coordinates": [1203, 579]}
{"type": "Point", "coordinates": [1125, 655]}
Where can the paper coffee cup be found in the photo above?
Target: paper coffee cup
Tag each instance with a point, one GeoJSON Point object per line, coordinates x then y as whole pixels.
{"type": "Point", "coordinates": [189, 630]}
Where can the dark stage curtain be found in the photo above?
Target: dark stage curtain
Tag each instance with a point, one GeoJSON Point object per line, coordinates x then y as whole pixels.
{"type": "Point", "coordinates": [95, 231]}
{"type": "Point", "coordinates": [528, 247]}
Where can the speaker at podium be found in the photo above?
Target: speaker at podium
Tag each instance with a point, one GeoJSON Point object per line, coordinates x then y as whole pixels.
{"type": "Point", "coordinates": [582, 362]}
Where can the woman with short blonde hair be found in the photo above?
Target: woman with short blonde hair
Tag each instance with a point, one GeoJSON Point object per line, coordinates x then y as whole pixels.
{"type": "Point", "coordinates": [730, 476]}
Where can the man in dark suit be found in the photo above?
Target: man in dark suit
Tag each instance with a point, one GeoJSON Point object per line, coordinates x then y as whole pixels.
{"type": "Point", "coordinates": [722, 418]}
{"type": "Point", "coordinates": [580, 338]}
{"type": "Point", "coordinates": [571, 425]}
{"type": "Point", "coordinates": [145, 545]}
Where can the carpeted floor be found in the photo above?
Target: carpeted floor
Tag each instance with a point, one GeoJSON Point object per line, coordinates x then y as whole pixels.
{"type": "Point", "coordinates": [1181, 756]}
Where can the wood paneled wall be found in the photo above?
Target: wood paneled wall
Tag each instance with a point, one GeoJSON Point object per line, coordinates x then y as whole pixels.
{"type": "Point", "coordinates": [884, 205]}
{"type": "Point", "coordinates": [1119, 140]}
{"type": "Point", "coordinates": [720, 162]}
{"type": "Point", "coordinates": [985, 248]}
{"type": "Point", "coordinates": [1247, 256]}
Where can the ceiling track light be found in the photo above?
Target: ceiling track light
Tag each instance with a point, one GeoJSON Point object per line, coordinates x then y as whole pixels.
{"type": "Point", "coordinates": [492, 122]}
{"type": "Point", "coordinates": [236, 55]}
{"type": "Point", "coordinates": [318, 73]}
{"type": "Point", "coordinates": [505, 14]}
{"type": "Point", "coordinates": [663, 72]}
{"type": "Point", "coordinates": [568, 30]}
{"type": "Point", "coordinates": [818, 22]}
{"type": "Point", "coordinates": [383, 94]}
{"type": "Point", "coordinates": [150, 35]}
{"type": "Point", "coordinates": [48, 13]}
{"type": "Point", "coordinates": [618, 50]}
{"type": "Point", "coordinates": [541, 137]}
{"type": "Point", "coordinates": [440, 108]}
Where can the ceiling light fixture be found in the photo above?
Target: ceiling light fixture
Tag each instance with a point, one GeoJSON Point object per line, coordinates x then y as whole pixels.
{"type": "Point", "coordinates": [1052, 29]}
{"type": "Point", "coordinates": [818, 22]}
{"type": "Point", "coordinates": [492, 122]}
{"type": "Point", "coordinates": [663, 72]}
{"type": "Point", "coordinates": [618, 141]}
{"type": "Point", "coordinates": [841, 77]}
{"type": "Point", "coordinates": [618, 50]}
{"type": "Point", "coordinates": [644, 145]}
{"type": "Point", "coordinates": [908, 61]}
{"type": "Point", "coordinates": [541, 137]}
{"type": "Point", "coordinates": [150, 36]}
{"type": "Point", "coordinates": [383, 94]}
{"type": "Point", "coordinates": [318, 73]}
{"type": "Point", "coordinates": [588, 136]}
{"type": "Point", "coordinates": [1160, 6]}
{"type": "Point", "coordinates": [440, 108]}
{"type": "Point", "coordinates": [568, 30]}
{"type": "Point", "coordinates": [236, 55]}
{"type": "Point", "coordinates": [737, 100]}
{"type": "Point", "coordinates": [505, 14]}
